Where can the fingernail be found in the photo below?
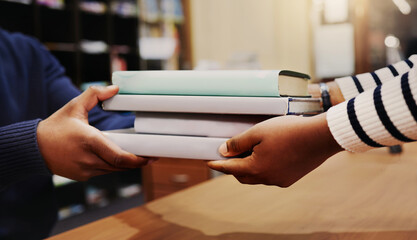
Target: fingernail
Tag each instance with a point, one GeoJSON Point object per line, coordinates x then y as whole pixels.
{"type": "Point", "coordinates": [223, 149]}
{"type": "Point", "coordinates": [112, 86]}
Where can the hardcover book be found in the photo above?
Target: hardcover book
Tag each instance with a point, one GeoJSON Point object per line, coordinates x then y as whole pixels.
{"type": "Point", "coordinates": [190, 124]}
{"type": "Point", "coordinates": [213, 104]}
{"type": "Point", "coordinates": [257, 83]}
{"type": "Point", "coordinates": [154, 145]}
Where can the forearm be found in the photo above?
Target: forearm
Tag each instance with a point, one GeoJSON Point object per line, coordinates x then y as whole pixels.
{"type": "Point", "coordinates": [352, 86]}
{"type": "Point", "coordinates": [385, 116]}
{"type": "Point", "coordinates": [322, 136]}
{"type": "Point", "coordinates": [19, 153]}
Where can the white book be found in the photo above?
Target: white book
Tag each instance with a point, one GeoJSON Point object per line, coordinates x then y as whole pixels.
{"type": "Point", "coordinates": [154, 145]}
{"type": "Point", "coordinates": [213, 104]}
{"type": "Point", "coordinates": [194, 124]}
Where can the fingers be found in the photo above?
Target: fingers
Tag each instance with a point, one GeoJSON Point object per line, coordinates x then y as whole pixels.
{"type": "Point", "coordinates": [90, 97]}
{"type": "Point", "coordinates": [235, 166]}
{"type": "Point", "coordinates": [238, 167]}
{"type": "Point", "coordinates": [113, 154]}
{"type": "Point", "coordinates": [247, 180]}
{"type": "Point", "coordinates": [95, 163]}
{"type": "Point", "coordinates": [240, 144]}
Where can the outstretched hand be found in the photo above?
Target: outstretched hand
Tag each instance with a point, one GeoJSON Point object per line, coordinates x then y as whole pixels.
{"type": "Point", "coordinates": [282, 150]}
{"type": "Point", "coordinates": [74, 149]}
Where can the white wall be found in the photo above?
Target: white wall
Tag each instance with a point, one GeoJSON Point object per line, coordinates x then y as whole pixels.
{"type": "Point", "coordinates": [277, 30]}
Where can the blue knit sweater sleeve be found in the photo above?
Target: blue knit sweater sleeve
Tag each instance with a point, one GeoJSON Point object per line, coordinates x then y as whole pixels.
{"type": "Point", "coordinates": [19, 153]}
{"type": "Point", "coordinates": [33, 85]}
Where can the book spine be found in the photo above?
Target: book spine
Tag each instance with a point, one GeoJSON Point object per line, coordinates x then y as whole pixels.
{"type": "Point", "coordinates": [261, 83]}
{"type": "Point", "coordinates": [208, 125]}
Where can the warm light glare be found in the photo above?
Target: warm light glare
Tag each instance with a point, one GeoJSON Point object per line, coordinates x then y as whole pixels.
{"type": "Point", "coordinates": [403, 6]}
{"type": "Point", "coordinates": [392, 41]}
{"type": "Point", "coordinates": [336, 10]}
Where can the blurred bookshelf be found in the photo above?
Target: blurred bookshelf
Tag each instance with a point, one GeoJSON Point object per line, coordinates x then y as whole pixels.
{"type": "Point", "coordinates": [91, 39]}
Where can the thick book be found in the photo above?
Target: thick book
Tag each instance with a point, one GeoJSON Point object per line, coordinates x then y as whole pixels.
{"type": "Point", "coordinates": [213, 104]}
{"type": "Point", "coordinates": [154, 145]}
{"type": "Point", "coordinates": [194, 124]}
{"type": "Point", "coordinates": [257, 83]}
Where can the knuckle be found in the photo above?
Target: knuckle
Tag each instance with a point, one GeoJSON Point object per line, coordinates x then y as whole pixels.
{"type": "Point", "coordinates": [117, 161]}
{"type": "Point", "coordinates": [90, 138]}
{"type": "Point", "coordinates": [94, 89]}
{"type": "Point", "coordinates": [233, 145]}
{"type": "Point", "coordinates": [72, 103]}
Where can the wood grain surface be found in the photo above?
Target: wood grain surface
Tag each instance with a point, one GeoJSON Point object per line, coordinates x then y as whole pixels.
{"type": "Point", "coordinates": [351, 196]}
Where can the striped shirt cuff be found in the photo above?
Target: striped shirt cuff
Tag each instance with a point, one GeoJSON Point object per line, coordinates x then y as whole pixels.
{"type": "Point", "coordinates": [353, 85]}
{"type": "Point", "coordinates": [384, 116]}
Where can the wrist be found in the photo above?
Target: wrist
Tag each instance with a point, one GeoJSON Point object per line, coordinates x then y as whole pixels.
{"type": "Point", "coordinates": [325, 137]}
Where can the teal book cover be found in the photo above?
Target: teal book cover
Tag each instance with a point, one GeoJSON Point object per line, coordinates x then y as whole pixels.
{"type": "Point", "coordinates": [202, 83]}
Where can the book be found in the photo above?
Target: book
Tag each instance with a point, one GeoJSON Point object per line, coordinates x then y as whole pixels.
{"type": "Point", "coordinates": [154, 145]}
{"type": "Point", "coordinates": [213, 104]}
{"type": "Point", "coordinates": [256, 83]}
{"type": "Point", "coordinates": [190, 124]}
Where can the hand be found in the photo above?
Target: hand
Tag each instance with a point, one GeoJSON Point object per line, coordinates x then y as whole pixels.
{"type": "Point", "coordinates": [74, 149]}
{"type": "Point", "coordinates": [283, 150]}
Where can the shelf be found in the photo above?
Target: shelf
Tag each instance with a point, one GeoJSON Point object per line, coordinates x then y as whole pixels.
{"type": "Point", "coordinates": [16, 17]}
{"type": "Point", "coordinates": [53, 5]}
{"type": "Point", "coordinates": [68, 60]}
{"type": "Point", "coordinates": [61, 47]}
{"type": "Point", "coordinates": [95, 67]}
{"type": "Point", "coordinates": [85, 43]}
{"type": "Point", "coordinates": [132, 61]}
{"type": "Point", "coordinates": [94, 27]}
{"type": "Point", "coordinates": [94, 47]}
{"type": "Point", "coordinates": [125, 31]}
{"type": "Point", "coordinates": [93, 7]}
{"type": "Point", "coordinates": [22, 2]}
{"type": "Point", "coordinates": [56, 25]}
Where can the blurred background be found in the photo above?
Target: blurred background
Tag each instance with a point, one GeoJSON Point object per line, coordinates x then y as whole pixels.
{"type": "Point", "coordinates": [323, 38]}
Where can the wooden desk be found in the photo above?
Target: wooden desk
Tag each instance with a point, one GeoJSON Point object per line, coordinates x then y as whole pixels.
{"type": "Point", "coordinates": [352, 196]}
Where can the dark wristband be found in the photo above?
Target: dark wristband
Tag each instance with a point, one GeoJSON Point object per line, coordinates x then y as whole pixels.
{"type": "Point", "coordinates": [325, 96]}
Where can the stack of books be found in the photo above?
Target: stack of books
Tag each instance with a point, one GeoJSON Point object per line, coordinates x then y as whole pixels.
{"type": "Point", "coordinates": [189, 114]}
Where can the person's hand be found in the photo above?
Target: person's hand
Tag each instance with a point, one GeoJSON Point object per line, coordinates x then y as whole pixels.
{"type": "Point", "coordinates": [72, 148]}
{"type": "Point", "coordinates": [282, 150]}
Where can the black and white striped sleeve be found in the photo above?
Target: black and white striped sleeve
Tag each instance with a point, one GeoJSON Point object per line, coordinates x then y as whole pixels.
{"type": "Point", "coordinates": [383, 116]}
{"type": "Point", "coordinates": [353, 85]}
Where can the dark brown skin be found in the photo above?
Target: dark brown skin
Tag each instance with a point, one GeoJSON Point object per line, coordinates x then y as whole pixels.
{"type": "Point", "coordinates": [74, 149]}
{"type": "Point", "coordinates": [283, 149]}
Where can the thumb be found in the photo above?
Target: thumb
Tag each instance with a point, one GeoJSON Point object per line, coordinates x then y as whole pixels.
{"type": "Point", "coordinates": [90, 97]}
{"type": "Point", "coordinates": [239, 144]}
